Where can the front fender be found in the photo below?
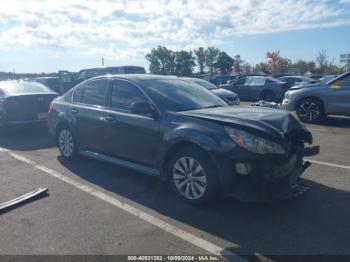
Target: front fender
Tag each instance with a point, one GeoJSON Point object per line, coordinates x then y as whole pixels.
{"type": "Point", "coordinates": [185, 136]}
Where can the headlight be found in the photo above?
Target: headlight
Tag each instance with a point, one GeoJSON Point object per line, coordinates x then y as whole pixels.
{"type": "Point", "coordinates": [287, 95]}
{"type": "Point", "coordinates": [254, 143]}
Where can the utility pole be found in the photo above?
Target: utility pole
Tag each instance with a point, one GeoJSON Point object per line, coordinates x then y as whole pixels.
{"type": "Point", "coordinates": [103, 62]}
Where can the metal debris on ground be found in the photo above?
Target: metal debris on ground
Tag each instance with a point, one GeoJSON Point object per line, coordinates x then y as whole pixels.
{"type": "Point", "coordinates": [18, 200]}
{"type": "Point", "coordinates": [263, 103]}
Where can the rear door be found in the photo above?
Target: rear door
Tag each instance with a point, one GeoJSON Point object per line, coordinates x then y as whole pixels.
{"type": "Point", "coordinates": [88, 111]}
{"type": "Point", "coordinates": [338, 96]}
{"type": "Point", "coordinates": [131, 137]}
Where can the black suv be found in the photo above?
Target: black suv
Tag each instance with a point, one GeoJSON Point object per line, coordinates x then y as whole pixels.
{"type": "Point", "coordinates": [183, 133]}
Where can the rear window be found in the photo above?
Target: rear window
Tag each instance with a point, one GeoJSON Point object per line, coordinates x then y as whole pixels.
{"type": "Point", "coordinates": [22, 87]}
{"type": "Point", "coordinates": [95, 92]}
{"type": "Point", "coordinates": [274, 80]}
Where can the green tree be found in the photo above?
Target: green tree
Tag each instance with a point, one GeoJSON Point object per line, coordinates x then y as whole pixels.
{"type": "Point", "coordinates": [200, 59]}
{"type": "Point", "coordinates": [162, 61]}
{"type": "Point", "coordinates": [184, 63]}
{"type": "Point", "coordinates": [224, 63]}
{"type": "Point", "coordinates": [211, 56]}
{"type": "Point", "coordinates": [302, 66]}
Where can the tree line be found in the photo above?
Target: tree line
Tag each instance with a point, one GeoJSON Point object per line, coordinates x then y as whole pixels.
{"type": "Point", "coordinates": [212, 60]}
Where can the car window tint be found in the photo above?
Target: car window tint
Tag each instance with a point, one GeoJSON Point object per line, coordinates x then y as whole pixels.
{"type": "Point", "coordinates": [241, 81]}
{"type": "Point", "coordinates": [345, 81]}
{"type": "Point", "coordinates": [78, 94]}
{"type": "Point", "coordinates": [95, 92]}
{"type": "Point", "coordinates": [255, 81]}
{"type": "Point", "coordinates": [269, 81]}
{"type": "Point", "coordinates": [82, 76]}
{"type": "Point", "coordinates": [124, 94]}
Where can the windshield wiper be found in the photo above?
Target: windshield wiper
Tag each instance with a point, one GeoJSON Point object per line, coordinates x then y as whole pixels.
{"type": "Point", "coordinates": [213, 106]}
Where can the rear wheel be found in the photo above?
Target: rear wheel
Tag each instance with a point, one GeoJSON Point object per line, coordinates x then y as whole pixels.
{"type": "Point", "coordinates": [310, 110]}
{"type": "Point", "coordinates": [193, 176]}
{"type": "Point", "coordinates": [66, 143]}
{"type": "Point", "coordinates": [268, 96]}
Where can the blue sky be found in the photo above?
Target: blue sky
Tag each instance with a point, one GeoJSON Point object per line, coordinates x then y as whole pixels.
{"type": "Point", "coordinates": [46, 36]}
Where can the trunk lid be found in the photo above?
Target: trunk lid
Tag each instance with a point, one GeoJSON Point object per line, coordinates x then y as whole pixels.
{"type": "Point", "coordinates": [31, 107]}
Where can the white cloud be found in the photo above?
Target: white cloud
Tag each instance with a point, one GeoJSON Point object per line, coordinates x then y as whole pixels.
{"type": "Point", "coordinates": [125, 29]}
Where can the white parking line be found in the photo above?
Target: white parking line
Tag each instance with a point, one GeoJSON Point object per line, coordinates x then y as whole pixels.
{"type": "Point", "coordinates": [328, 164]}
{"type": "Point", "coordinates": [190, 238]}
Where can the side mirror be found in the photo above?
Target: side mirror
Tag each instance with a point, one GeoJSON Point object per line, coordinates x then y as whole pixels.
{"type": "Point", "coordinates": [141, 107]}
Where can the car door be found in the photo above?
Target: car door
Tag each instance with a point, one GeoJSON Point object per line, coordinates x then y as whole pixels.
{"type": "Point", "coordinates": [338, 96]}
{"type": "Point", "coordinates": [253, 87]}
{"type": "Point", "coordinates": [89, 102]}
{"type": "Point", "coordinates": [238, 87]}
{"type": "Point", "coordinates": [131, 137]}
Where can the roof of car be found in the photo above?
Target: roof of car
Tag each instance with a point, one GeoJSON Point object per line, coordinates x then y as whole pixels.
{"type": "Point", "coordinates": [110, 67]}
{"type": "Point", "coordinates": [135, 77]}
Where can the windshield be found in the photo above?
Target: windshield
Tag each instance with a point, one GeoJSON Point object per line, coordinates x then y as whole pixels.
{"type": "Point", "coordinates": [180, 95]}
{"type": "Point", "coordinates": [205, 84]}
{"type": "Point", "coordinates": [16, 88]}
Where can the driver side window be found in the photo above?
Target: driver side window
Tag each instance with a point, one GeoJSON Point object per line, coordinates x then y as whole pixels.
{"type": "Point", "coordinates": [124, 94]}
{"type": "Point", "coordinates": [345, 82]}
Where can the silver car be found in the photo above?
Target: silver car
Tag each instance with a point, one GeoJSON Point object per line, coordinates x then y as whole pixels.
{"type": "Point", "coordinates": [313, 102]}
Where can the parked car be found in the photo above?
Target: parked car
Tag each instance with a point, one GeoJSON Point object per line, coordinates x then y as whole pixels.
{"type": "Point", "coordinates": [92, 72]}
{"type": "Point", "coordinates": [24, 102]}
{"type": "Point", "coordinates": [221, 79]}
{"type": "Point", "coordinates": [327, 78]}
{"type": "Point", "coordinates": [297, 80]}
{"type": "Point", "coordinates": [258, 88]}
{"type": "Point", "coordinates": [184, 134]}
{"type": "Point", "coordinates": [230, 97]}
{"type": "Point", "coordinates": [51, 82]}
{"type": "Point", "coordinates": [315, 101]}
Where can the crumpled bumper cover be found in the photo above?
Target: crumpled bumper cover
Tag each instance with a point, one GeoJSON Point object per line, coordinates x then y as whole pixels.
{"type": "Point", "coordinates": [272, 181]}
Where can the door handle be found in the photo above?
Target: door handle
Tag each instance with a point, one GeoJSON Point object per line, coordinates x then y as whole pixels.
{"type": "Point", "coordinates": [109, 118]}
{"type": "Point", "coordinates": [74, 110]}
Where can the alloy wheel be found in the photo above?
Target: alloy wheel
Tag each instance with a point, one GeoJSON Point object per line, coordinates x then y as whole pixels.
{"type": "Point", "coordinates": [189, 178]}
{"type": "Point", "coordinates": [66, 143]}
{"type": "Point", "coordinates": [309, 111]}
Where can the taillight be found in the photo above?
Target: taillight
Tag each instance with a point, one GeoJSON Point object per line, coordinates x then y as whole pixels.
{"type": "Point", "coordinates": [51, 105]}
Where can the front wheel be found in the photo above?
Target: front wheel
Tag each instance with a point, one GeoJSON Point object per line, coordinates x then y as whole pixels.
{"type": "Point", "coordinates": [193, 176]}
{"type": "Point", "coordinates": [66, 143]}
{"type": "Point", "coordinates": [310, 110]}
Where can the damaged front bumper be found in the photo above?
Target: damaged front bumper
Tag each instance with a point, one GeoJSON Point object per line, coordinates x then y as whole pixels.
{"type": "Point", "coordinates": [271, 178]}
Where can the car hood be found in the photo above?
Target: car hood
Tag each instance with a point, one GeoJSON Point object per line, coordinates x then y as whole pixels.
{"type": "Point", "coordinates": [319, 84]}
{"type": "Point", "coordinates": [272, 122]}
{"type": "Point", "coordinates": [223, 92]}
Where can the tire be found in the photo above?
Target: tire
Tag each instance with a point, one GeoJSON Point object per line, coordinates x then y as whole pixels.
{"type": "Point", "coordinates": [199, 186]}
{"type": "Point", "coordinates": [310, 110]}
{"type": "Point", "coordinates": [268, 96]}
{"type": "Point", "coordinates": [66, 143]}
